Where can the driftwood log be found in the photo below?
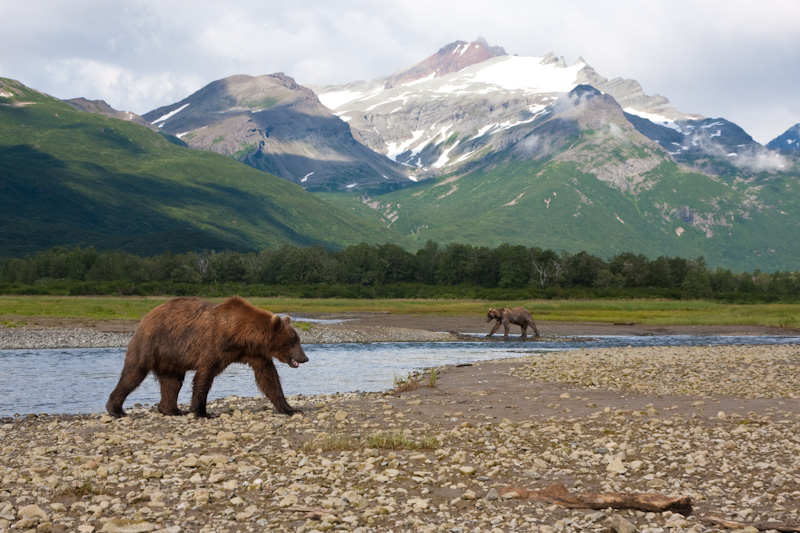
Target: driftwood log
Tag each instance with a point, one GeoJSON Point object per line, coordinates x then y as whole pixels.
{"type": "Point", "coordinates": [643, 501]}
{"type": "Point", "coordinates": [761, 526]}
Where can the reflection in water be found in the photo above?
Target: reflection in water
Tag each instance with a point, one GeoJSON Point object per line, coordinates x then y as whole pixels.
{"type": "Point", "coordinates": [80, 380]}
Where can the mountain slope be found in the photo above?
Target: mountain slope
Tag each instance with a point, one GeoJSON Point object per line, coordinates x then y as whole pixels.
{"type": "Point", "coordinates": [273, 124]}
{"type": "Point", "coordinates": [72, 178]}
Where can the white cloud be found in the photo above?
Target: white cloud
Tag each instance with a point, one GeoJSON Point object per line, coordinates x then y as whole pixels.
{"type": "Point", "coordinates": [101, 81]}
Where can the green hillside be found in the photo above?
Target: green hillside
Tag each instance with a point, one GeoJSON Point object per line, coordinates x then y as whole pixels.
{"type": "Point", "coordinates": [555, 205]}
{"type": "Point", "coordinates": [73, 178]}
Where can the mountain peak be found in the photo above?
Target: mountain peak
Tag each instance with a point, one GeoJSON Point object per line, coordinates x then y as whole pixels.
{"type": "Point", "coordinates": [272, 123]}
{"type": "Point", "coordinates": [101, 107]}
{"type": "Point", "coordinates": [552, 59]}
{"type": "Point", "coordinates": [452, 57]}
{"type": "Point", "coordinates": [788, 141]}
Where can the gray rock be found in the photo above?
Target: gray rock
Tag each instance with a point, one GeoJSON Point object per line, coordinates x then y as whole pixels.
{"type": "Point", "coordinates": [621, 525]}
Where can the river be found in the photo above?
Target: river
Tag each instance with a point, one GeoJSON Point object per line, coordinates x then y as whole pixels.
{"type": "Point", "coordinates": [69, 381]}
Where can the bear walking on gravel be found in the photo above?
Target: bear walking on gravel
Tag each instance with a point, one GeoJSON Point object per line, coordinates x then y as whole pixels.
{"type": "Point", "coordinates": [511, 315]}
{"type": "Point", "coordinates": [188, 334]}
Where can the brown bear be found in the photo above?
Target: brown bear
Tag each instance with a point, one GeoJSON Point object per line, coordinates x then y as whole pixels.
{"type": "Point", "coordinates": [188, 334]}
{"type": "Point", "coordinates": [513, 315]}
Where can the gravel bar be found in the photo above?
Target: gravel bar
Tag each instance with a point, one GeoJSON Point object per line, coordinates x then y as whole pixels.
{"type": "Point", "coordinates": [45, 338]}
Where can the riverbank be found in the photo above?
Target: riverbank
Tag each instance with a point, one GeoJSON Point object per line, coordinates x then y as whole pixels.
{"type": "Point", "coordinates": [42, 332]}
{"type": "Point", "coordinates": [718, 424]}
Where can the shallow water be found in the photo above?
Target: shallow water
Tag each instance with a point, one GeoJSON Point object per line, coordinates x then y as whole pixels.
{"type": "Point", "coordinates": [79, 380]}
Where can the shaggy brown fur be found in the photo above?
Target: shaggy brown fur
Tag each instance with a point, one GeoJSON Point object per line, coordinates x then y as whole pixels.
{"type": "Point", "coordinates": [513, 315]}
{"type": "Point", "coordinates": [186, 334]}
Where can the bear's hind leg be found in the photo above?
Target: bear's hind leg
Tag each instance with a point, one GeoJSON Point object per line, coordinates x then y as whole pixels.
{"type": "Point", "coordinates": [131, 378]}
{"type": "Point", "coordinates": [524, 331]}
{"type": "Point", "coordinates": [170, 387]}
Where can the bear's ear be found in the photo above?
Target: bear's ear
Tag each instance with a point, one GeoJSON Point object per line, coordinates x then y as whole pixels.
{"type": "Point", "coordinates": [287, 319]}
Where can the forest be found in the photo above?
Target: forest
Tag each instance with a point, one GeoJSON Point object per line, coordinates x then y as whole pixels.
{"type": "Point", "coordinates": [455, 270]}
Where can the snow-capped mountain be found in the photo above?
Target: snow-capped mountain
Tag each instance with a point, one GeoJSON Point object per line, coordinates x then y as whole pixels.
{"type": "Point", "coordinates": [439, 122]}
{"type": "Point", "coordinates": [442, 119]}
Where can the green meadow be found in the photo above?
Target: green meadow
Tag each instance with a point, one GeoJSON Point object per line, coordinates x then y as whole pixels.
{"type": "Point", "coordinates": [650, 312]}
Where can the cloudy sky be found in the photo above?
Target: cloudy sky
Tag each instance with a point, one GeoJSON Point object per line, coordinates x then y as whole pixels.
{"type": "Point", "coordinates": [720, 58]}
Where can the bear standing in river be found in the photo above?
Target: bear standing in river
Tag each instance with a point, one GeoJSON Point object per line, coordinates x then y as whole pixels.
{"type": "Point", "coordinates": [511, 315]}
{"type": "Point", "coordinates": [187, 334]}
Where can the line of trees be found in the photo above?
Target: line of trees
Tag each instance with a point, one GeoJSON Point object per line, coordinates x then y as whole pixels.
{"type": "Point", "coordinates": [387, 270]}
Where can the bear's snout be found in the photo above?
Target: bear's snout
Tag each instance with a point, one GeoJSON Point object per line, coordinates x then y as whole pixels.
{"type": "Point", "coordinates": [299, 356]}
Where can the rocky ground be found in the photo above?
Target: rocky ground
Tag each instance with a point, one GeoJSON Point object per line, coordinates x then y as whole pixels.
{"type": "Point", "coordinates": [720, 425]}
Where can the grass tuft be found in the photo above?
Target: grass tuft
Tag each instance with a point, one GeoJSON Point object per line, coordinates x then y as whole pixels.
{"type": "Point", "coordinates": [415, 380]}
{"type": "Point", "coordinates": [397, 440]}
{"type": "Point", "coordinates": [302, 326]}
{"type": "Point", "coordinates": [329, 443]}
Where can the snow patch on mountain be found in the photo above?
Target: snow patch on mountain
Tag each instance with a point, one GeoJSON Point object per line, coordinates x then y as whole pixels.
{"type": "Point", "coordinates": [421, 80]}
{"type": "Point", "coordinates": [660, 120]}
{"type": "Point", "coordinates": [164, 118]}
{"type": "Point", "coordinates": [445, 157]}
{"type": "Point", "coordinates": [393, 149]}
{"type": "Point", "coordinates": [336, 99]}
{"type": "Point", "coordinates": [529, 74]}
{"type": "Point", "coordinates": [503, 73]}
